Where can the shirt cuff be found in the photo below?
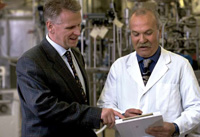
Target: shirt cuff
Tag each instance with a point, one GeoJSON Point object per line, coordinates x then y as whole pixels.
{"type": "Point", "coordinates": [176, 133]}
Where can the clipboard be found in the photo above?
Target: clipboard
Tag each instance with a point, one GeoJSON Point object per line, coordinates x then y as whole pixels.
{"type": "Point", "coordinates": [136, 126]}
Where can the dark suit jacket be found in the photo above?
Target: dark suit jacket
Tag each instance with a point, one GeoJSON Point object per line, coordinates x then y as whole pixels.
{"type": "Point", "coordinates": [51, 101]}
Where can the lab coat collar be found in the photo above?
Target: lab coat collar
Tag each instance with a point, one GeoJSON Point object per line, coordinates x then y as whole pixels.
{"type": "Point", "coordinates": [159, 70]}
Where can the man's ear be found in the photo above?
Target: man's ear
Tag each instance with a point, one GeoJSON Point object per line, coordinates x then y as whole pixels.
{"type": "Point", "coordinates": [50, 27]}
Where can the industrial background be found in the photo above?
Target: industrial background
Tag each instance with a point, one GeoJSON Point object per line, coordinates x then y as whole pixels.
{"type": "Point", "coordinates": [105, 36]}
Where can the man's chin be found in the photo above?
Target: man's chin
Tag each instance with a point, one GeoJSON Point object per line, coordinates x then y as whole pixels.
{"type": "Point", "coordinates": [73, 44]}
{"type": "Point", "coordinates": [143, 53]}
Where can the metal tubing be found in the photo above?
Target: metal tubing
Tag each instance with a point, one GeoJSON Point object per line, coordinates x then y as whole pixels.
{"type": "Point", "coordinates": [94, 90]}
{"type": "Point", "coordinates": [82, 40]}
{"type": "Point", "coordinates": [114, 44]}
{"type": "Point", "coordinates": [163, 33]}
{"type": "Point", "coordinates": [95, 52]}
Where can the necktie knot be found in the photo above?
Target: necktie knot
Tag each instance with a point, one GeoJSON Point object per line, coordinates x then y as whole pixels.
{"type": "Point", "coordinates": [69, 56]}
{"type": "Point", "coordinates": [146, 63]}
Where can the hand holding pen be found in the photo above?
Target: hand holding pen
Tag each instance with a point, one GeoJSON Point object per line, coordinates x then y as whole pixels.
{"type": "Point", "coordinates": [132, 112]}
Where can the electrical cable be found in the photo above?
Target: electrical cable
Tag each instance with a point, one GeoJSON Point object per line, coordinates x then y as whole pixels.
{"type": "Point", "coordinates": [101, 130]}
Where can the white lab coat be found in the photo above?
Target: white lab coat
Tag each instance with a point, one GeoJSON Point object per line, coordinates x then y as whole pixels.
{"type": "Point", "coordinates": [171, 89]}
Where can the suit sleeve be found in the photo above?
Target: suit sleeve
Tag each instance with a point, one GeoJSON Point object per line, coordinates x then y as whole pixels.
{"type": "Point", "coordinates": [38, 99]}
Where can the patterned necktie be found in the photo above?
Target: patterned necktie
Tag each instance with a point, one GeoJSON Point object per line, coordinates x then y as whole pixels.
{"type": "Point", "coordinates": [146, 74]}
{"type": "Point", "coordinates": [69, 59]}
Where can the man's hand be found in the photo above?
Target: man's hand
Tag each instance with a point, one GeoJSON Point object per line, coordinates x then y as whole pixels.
{"type": "Point", "coordinates": [165, 131]}
{"type": "Point", "coordinates": [132, 112]}
{"type": "Point", "coordinates": [108, 116]}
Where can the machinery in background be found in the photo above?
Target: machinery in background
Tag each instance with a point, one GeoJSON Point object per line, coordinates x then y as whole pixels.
{"type": "Point", "coordinates": [106, 36]}
{"type": "Point", "coordinates": [10, 116]}
{"type": "Point", "coordinates": [180, 30]}
{"type": "Point", "coordinates": [105, 32]}
{"type": "Point", "coordinates": [5, 98]}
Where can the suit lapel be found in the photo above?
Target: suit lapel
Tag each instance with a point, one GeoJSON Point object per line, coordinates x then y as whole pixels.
{"type": "Point", "coordinates": [61, 68]}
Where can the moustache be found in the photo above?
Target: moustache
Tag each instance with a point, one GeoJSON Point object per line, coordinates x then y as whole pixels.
{"type": "Point", "coordinates": [144, 45]}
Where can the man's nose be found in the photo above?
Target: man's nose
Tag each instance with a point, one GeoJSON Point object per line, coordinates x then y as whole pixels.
{"type": "Point", "coordinates": [142, 38]}
{"type": "Point", "coordinates": [77, 30]}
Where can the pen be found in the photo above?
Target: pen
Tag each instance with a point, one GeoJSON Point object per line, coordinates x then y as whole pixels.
{"type": "Point", "coordinates": [138, 116]}
{"type": "Point", "coordinates": [116, 117]}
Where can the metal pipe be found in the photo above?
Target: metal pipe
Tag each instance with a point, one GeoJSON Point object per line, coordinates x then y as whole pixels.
{"type": "Point", "coordinates": [95, 52]}
{"type": "Point", "coordinates": [8, 37]}
{"type": "Point", "coordinates": [89, 47]}
{"type": "Point", "coordinates": [119, 41]}
{"type": "Point", "coordinates": [127, 40]}
{"type": "Point", "coordinates": [163, 33]}
{"type": "Point", "coordinates": [94, 90]}
{"type": "Point", "coordinates": [82, 40]}
{"type": "Point", "coordinates": [127, 28]}
{"type": "Point", "coordinates": [114, 44]}
{"type": "Point", "coordinates": [197, 44]}
{"type": "Point", "coordinates": [109, 58]}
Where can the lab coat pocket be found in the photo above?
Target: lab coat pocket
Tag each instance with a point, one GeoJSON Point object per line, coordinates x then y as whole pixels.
{"type": "Point", "coordinates": [166, 96]}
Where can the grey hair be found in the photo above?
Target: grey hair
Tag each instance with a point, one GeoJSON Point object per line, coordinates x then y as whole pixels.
{"type": "Point", "coordinates": [144, 10]}
{"type": "Point", "coordinates": [53, 8]}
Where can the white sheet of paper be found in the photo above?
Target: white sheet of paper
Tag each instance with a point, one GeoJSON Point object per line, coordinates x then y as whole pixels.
{"type": "Point", "coordinates": [103, 31]}
{"type": "Point", "coordinates": [118, 23]}
{"type": "Point", "coordinates": [95, 32]}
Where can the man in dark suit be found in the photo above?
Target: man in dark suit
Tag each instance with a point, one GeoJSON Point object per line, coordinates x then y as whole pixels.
{"type": "Point", "coordinates": [53, 89]}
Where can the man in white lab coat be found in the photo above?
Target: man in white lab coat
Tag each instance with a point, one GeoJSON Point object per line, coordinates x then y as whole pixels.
{"type": "Point", "coordinates": [172, 87]}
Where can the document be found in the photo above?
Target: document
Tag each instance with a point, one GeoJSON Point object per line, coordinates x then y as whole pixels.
{"type": "Point", "coordinates": [136, 126]}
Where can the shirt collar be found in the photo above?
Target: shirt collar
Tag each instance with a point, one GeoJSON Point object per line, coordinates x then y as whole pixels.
{"type": "Point", "coordinates": [155, 57]}
{"type": "Point", "coordinates": [61, 51]}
